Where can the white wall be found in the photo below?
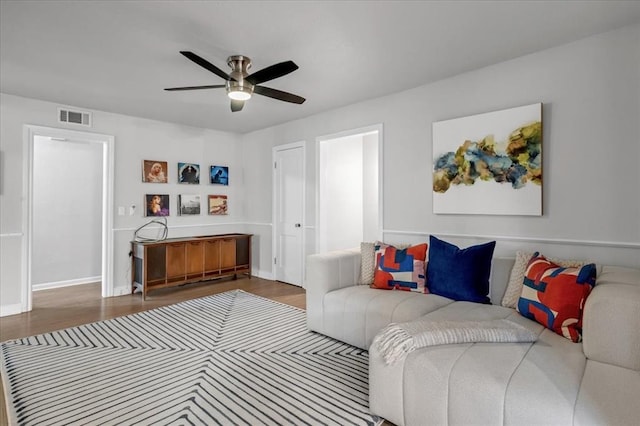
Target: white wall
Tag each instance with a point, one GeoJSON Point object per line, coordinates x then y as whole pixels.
{"type": "Point", "coordinates": [67, 212]}
{"type": "Point", "coordinates": [136, 139]}
{"type": "Point", "coordinates": [591, 95]}
{"type": "Point", "coordinates": [341, 193]}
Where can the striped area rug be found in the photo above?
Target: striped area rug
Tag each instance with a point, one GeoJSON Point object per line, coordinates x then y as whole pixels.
{"type": "Point", "coordinates": [228, 359]}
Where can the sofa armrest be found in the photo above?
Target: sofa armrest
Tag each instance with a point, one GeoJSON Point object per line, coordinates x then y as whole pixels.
{"type": "Point", "coordinates": [611, 319]}
{"type": "Point", "coordinates": [326, 272]}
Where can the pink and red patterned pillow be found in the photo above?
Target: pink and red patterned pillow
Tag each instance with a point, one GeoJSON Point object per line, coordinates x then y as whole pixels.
{"type": "Point", "coordinates": [400, 269]}
{"type": "Point", "coordinates": [555, 296]}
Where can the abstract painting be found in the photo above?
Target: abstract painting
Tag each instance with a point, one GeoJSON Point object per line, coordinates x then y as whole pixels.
{"type": "Point", "coordinates": [489, 163]}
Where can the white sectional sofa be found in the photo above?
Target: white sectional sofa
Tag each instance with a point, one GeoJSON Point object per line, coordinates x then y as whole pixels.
{"type": "Point", "coordinates": [551, 381]}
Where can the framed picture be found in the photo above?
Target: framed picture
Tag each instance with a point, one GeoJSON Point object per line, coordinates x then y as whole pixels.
{"type": "Point", "coordinates": [219, 175]}
{"type": "Point", "coordinates": [157, 205]}
{"type": "Point", "coordinates": [188, 204]}
{"type": "Point", "coordinates": [188, 173]}
{"type": "Point", "coordinates": [217, 204]}
{"type": "Point", "coordinates": [489, 163]}
{"type": "Point", "coordinates": [154, 171]}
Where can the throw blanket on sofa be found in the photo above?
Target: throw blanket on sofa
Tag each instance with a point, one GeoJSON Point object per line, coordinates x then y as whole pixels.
{"type": "Point", "coordinates": [399, 339]}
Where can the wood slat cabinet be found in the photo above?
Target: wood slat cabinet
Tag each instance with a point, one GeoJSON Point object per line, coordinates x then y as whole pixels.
{"type": "Point", "coordinates": [178, 261]}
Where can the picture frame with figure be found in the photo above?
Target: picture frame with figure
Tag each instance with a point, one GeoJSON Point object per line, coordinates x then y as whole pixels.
{"type": "Point", "coordinates": [189, 173]}
{"type": "Point", "coordinates": [157, 205]}
{"type": "Point", "coordinates": [217, 204]}
{"type": "Point", "coordinates": [154, 171]}
{"type": "Point", "coordinates": [219, 175]}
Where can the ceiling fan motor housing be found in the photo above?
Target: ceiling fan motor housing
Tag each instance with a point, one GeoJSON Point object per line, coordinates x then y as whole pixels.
{"type": "Point", "coordinates": [239, 70]}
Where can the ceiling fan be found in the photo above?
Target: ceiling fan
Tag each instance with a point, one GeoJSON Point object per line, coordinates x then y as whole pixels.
{"type": "Point", "coordinates": [240, 84]}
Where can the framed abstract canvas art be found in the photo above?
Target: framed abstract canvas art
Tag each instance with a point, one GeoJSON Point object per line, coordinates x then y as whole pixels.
{"type": "Point", "coordinates": [489, 163]}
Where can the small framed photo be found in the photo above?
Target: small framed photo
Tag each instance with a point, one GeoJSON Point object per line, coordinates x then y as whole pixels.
{"type": "Point", "coordinates": [154, 171]}
{"type": "Point", "coordinates": [188, 204]}
{"type": "Point", "coordinates": [188, 173]}
{"type": "Point", "coordinates": [219, 175]}
{"type": "Point", "coordinates": [217, 204]}
{"type": "Point", "coordinates": [157, 205]}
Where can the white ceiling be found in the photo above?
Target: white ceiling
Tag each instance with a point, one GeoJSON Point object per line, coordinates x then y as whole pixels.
{"type": "Point", "coordinates": [118, 56]}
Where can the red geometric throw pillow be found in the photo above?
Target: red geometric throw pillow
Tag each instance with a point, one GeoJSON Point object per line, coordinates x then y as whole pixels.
{"type": "Point", "coordinates": [400, 269]}
{"type": "Point", "coordinates": [555, 296]}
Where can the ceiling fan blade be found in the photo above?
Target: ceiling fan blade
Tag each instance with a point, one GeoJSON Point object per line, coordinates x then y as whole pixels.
{"type": "Point", "coordinates": [272, 72]}
{"type": "Point", "coordinates": [215, 86]}
{"type": "Point", "coordinates": [206, 64]}
{"type": "Point", "coordinates": [236, 105]}
{"type": "Point", "coordinates": [278, 94]}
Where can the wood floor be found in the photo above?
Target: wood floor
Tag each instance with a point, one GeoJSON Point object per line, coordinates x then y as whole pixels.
{"type": "Point", "coordinates": [71, 306]}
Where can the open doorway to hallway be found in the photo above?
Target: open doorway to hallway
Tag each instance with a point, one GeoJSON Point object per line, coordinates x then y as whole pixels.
{"type": "Point", "coordinates": [349, 188]}
{"type": "Point", "coordinates": [67, 213]}
{"type": "Point", "coordinates": [68, 210]}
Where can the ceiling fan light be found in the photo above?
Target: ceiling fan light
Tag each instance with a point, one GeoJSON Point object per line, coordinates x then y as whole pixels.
{"type": "Point", "coordinates": [239, 94]}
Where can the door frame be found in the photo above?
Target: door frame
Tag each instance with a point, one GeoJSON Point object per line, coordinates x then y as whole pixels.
{"type": "Point", "coordinates": [107, 142]}
{"type": "Point", "coordinates": [275, 203]}
{"type": "Point", "coordinates": [353, 132]}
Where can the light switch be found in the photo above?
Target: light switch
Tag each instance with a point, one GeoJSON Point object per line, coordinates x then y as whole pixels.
{"type": "Point", "coordinates": [121, 211]}
{"type": "Point", "coordinates": [132, 210]}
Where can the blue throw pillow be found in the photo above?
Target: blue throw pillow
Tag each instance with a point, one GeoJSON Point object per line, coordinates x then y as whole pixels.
{"type": "Point", "coordinates": [459, 274]}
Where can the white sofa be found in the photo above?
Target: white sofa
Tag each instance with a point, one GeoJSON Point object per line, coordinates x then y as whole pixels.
{"type": "Point", "coordinates": [552, 381]}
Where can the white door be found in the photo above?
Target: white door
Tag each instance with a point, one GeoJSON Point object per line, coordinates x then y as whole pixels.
{"type": "Point", "coordinates": [288, 213]}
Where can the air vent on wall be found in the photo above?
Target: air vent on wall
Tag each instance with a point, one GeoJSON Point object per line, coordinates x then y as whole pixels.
{"type": "Point", "coordinates": [82, 118]}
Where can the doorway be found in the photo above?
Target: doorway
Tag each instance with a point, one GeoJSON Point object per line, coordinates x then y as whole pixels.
{"type": "Point", "coordinates": [349, 188]}
{"type": "Point", "coordinates": [61, 151]}
{"type": "Point", "coordinates": [288, 212]}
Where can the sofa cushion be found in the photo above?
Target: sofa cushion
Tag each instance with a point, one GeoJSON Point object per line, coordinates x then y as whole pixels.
{"type": "Point", "coordinates": [612, 319]}
{"type": "Point", "coordinates": [514, 286]}
{"type": "Point", "coordinates": [356, 314]}
{"type": "Point", "coordinates": [367, 263]}
{"type": "Point", "coordinates": [554, 296]}
{"type": "Point", "coordinates": [608, 396]}
{"type": "Point", "coordinates": [480, 383]}
{"type": "Point", "coordinates": [400, 269]}
{"type": "Point", "coordinates": [459, 274]}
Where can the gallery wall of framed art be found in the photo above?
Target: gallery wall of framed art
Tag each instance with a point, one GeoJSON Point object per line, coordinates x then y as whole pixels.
{"type": "Point", "coordinates": [188, 202]}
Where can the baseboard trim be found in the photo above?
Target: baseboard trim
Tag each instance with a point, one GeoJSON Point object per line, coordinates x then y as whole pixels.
{"type": "Point", "coordinates": [262, 274]}
{"type": "Point", "coordinates": [66, 283]}
{"type": "Point", "coordinates": [6, 310]}
{"type": "Point", "coordinates": [121, 291]}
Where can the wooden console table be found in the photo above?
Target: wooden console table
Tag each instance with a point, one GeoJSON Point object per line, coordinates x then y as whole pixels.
{"type": "Point", "coordinates": [176, 261]}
